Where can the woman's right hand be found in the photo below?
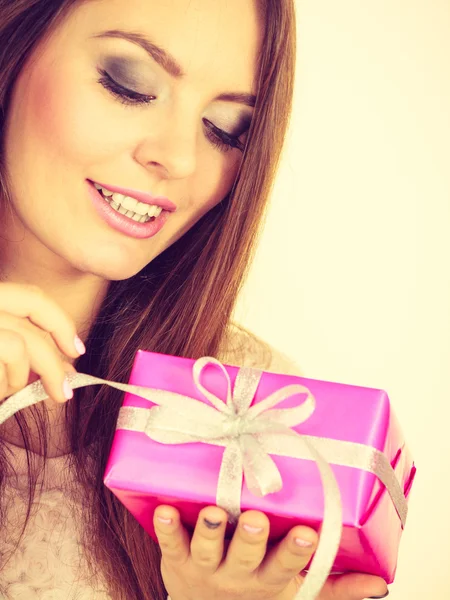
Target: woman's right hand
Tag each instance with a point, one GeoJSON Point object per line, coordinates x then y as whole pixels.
{"type": "Point", "coordinates": [204, 565]}
{"type": "Point", "coordinates": [27, 316]}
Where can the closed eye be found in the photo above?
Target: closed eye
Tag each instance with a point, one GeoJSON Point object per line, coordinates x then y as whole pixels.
{"type": "Point", "coordinates": [121, 93]}
{"type": "Point", "coordinates": [220, 139]}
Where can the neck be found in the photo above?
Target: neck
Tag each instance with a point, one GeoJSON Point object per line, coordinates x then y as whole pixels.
{"type": "Point", "coordinates": [79, 294]}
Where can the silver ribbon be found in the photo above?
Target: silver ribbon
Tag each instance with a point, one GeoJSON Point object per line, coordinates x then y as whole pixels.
{"type": "Point", "coordinates": [249, 435]}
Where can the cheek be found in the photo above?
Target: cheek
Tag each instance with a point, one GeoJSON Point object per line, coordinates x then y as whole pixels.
{"type": "Point", "coordinates": [52, 120]}
{"type": "Point", "coordinates": [215, 178]}
{"type": "Point", "coordinates": [66, 126]}
{"type": "Point", "coordinates": [66, 119]}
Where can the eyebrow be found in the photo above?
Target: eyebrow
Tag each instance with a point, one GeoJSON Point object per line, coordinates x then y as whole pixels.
{"type": "Point", "coordinates": [168, 62]}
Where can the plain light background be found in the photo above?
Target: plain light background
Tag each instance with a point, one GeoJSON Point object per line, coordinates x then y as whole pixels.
{"type": "Point", "coordinates": [352, 276]}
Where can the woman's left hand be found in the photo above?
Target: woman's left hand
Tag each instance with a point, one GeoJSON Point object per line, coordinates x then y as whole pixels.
{"type": "Point", "coordinates": [200, 569]}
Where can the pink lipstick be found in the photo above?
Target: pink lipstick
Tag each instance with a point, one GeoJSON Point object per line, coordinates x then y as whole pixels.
{"type": "Point", "coordinates": [144, 197]}
{"type": "Point", "coordinates": [123, 223]}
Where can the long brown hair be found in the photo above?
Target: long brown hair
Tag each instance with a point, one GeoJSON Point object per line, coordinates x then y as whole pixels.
{"type": "Point", "coordinates": [180, 304]}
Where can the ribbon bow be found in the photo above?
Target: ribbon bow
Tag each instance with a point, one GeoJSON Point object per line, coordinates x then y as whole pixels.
{"type": "Point", "coordinates": [249, 434]}
{"type": "Point", "coordinates": [234, 424]}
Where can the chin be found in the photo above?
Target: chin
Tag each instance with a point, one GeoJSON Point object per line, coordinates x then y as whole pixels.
{"type": "Point", "coordinates": [108, 268]}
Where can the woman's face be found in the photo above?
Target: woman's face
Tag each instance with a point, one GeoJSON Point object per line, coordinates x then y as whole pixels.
{"type": "Point", "coordinates": [68, 126]}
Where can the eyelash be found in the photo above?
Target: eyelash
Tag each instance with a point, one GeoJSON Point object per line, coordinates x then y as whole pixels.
{"type": "Point", "coordinates": [218, 138]}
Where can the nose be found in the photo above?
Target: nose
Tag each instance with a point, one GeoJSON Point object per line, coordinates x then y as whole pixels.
{"type": "Point", "coordinates": [169, 147]}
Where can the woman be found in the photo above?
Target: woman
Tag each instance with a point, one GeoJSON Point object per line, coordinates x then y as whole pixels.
{"type": "Point", "coordinates": [139, 143]}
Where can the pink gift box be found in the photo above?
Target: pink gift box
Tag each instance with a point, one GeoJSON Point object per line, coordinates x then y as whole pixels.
{"type": "Point", "coordinates": [143, 473]}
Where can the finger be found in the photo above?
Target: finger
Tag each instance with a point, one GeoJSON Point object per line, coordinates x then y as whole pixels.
{"type": "Point", "coordinates": [172, 536]}
{"type": "Point", "coordinates": [42, 358]}
{"type": "Point", "coordinates": [32, 303]}
{"type": "Point", "coordinates": [357, 586]}
{"type": "Point", "coordinates": [248, 545]}
{"type": "Point", "coordinates": [207, 544]}
{"type": "Point", "coordinates": [45, 361]}
{"type": "Point", "coordinates": [288, 558]}
{"type": "Point", "coordinates": [69, 368]}
{"type": "Point", "coordinates": [15, 361]}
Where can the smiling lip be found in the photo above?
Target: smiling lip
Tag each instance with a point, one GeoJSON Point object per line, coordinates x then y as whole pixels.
{"type": "Point", "coordinates": [144, 197]}
{"type": "Point", "coordinates": [122, 223]}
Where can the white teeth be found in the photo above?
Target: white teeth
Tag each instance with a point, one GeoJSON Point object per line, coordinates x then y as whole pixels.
{"type": "Point", "coordinates": [130, 207]}
{"type": "Point", "coordinates": [141, 208]}
{"type": "Point", "coordinates": [129, 203]}
{"type": "Point", "coordinates": [119, 198]}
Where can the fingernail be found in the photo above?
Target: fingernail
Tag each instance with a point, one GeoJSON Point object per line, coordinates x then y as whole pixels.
{"type": "Point", "coordinates": [212, 524]}
{"type": "Point", "coordinates": [68, 391]}
{"type": "Point", "coordinates": [250, 529]}
{"type": "Point", "coordinates": [80, 347]}
{"type": "Point", "coordinates": [302, 543]}
{"type": "Point", "coordinates": [164, 521]}
{"type": "Point", "coordinates": [379, 597]}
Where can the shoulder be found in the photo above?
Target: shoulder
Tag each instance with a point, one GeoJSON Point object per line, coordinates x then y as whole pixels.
{"type": "Point", "coordinates": [244, 349]}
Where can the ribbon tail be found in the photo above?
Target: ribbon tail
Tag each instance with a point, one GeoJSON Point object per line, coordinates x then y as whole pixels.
{"type": "Point", "coordinates": [330, 534]}
{"type": "Point", "coordinates": [366, 458]}
{"type": "Point", "coordinates": [229, 485]}
{"type": "Point", "coordinates": [20, 401]}
{"type": "Point", "coordinates": [261, 474]}
{"type": "Point", "coordinates": [35, 393]}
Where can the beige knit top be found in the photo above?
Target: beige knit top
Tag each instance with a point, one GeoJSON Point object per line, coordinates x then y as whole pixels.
{"type": "Point", "coordinates": [49, 563]}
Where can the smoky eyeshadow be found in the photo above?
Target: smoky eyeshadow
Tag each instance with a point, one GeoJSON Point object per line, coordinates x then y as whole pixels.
{"type": "Point", "coordinates": [136, 75]}
{"type": "Point", "coordinates": [132, 74]}
{"type": "Point", "coordinates": [243, 126]}
{"type": "Point", "coordinates": [233, 127]}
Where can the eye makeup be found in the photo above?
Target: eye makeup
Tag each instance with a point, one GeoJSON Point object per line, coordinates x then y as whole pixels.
{"type": "Point", "coordinates": [221, 139]}
{"type": "Point", "coordinates": [121, 93]}
{"type": "Point", "coordinates": [131, 74]}
{"type": "Point", "coordinates": [123, 78]}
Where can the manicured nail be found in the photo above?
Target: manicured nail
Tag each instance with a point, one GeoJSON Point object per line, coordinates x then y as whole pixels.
{"type": "Point", "coordinates": [80, 347]}
{"type": "Point", "coordinates": [302, 543]}
{"type": "Point", "coordinates": [379, 597]}
{"type": "Point", "coordinates": [164, 521]}
{"type": "Point", "coordinates": [212, 524]}
{"type": "Point", "coordinates": [250, 529]}
{"type": "Point", "coordinates": [68, 391]}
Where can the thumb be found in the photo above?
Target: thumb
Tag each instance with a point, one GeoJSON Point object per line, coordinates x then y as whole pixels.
{"type": "Point", "coordinates": [358, 586]}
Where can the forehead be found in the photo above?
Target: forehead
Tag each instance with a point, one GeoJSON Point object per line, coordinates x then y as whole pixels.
{"type": "Point", "coordinates": [218, 39]}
